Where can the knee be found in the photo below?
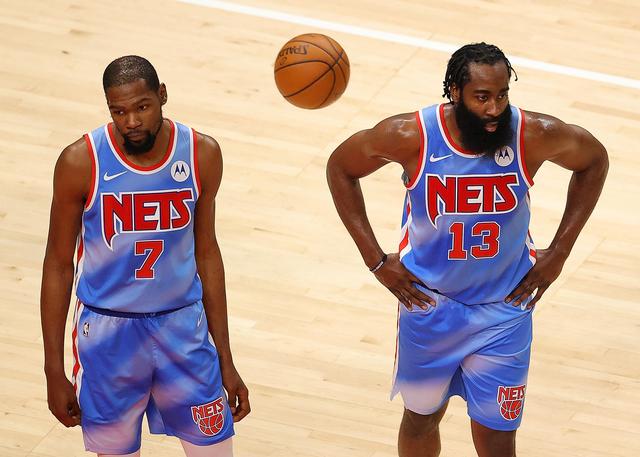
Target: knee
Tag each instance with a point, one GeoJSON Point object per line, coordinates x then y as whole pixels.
{"type": "Point", "coordinates": [420, 425]}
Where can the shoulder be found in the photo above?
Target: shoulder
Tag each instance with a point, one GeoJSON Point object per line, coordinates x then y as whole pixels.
{"type": "Point", "coordinates": [544, 137]}
{"type": "Point", "coordinates": [75, 160]}
{"type": "Point", "coordinates": [74, 169]}
{"type": "Point", "coordinates": [208, 147]}
{"type": "Point", "coordinates": [542, 127]}
{"type": "Point", "coordinates": [397, 138]}
{"type": "Point", "coordinates": [399, 127]}
{"type": "Point", "coordinates": [549, 138]}
{"type": "Point", "coordinates": [209, 161]}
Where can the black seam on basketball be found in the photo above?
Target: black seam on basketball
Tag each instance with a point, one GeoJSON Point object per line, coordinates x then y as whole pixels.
{"type": "Point", "coordinates": [330, 90]}
{"type": "Point", "coordinates": [300, 63]}
{"type": "Point", "coordinates": [317, 79]}
{"type": "Point", "coordinates": [344, 77]}
{"type": "Point", "coordinates": [340, 53]}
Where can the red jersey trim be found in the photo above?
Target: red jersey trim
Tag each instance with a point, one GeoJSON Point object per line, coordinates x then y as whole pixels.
{"type": "Point", "coordinates": [123, 156]}
{"type": "Point", "coordinates": [92, 187]}
{"type": "Point", "coordinates": [74, 347]}
{"type": "Point", "coordinates": [196, 166]}
{"type": "Point", "coordinates": [523, 163]}
{"type": "Point", "coordinates": [454, 146]}
{"type": "Point", "coordinates": [423, 152]}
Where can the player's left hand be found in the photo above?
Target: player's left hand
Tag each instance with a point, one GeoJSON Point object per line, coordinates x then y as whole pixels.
{"type": "Point", "coordinates": [546, 270]}
{"type": "Point", "coordinates": [236, 391]}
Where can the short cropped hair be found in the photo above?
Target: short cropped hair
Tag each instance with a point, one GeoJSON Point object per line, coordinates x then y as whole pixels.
{"type": "Point", "coordinates": [128, 69]}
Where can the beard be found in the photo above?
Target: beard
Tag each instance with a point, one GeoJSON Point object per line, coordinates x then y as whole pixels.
{"type": "Point", "coordinates": [475, 137]}
{"type": "Point", "coordinates": [145, 144]}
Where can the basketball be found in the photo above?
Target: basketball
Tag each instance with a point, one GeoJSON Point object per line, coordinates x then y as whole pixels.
{"type": "Point", "coordinates": [311, 71]}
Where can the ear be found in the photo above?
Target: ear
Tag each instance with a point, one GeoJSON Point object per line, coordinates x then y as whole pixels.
{"type": "Point", "coordinates": [456, 93]}
{"type": "Point", "coordinates": [162, 93]}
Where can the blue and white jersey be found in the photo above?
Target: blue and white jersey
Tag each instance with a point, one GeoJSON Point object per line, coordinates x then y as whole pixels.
{"type": "Point", "coordinates": [136, 248]}
{"type": "Point", "coordinates": [465, 224]}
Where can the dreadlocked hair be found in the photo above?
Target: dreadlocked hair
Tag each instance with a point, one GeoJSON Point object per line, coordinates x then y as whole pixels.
{"type": "Point", "coordinates": [458, 67]}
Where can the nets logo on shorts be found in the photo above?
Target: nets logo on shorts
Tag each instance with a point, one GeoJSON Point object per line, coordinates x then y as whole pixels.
{"type": "Point", "coordinates": [511, 400]}
{"type": "Point", "coordinates": [209, 417]}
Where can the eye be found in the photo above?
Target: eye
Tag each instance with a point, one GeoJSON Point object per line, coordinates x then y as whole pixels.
{"type": "Point", "coordinates": [482, 98]}
{"type": "Point", "coordinates": [117, 112]}
{"type": "Point", "coordinates": [143, 107]}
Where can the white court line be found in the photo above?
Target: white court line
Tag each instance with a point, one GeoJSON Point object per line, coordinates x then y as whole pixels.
{"type": "Point", "coordinates": [409, 40]}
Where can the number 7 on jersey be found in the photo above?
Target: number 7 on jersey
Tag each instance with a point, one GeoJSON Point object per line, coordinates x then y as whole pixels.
{"type": "Point", "coordinates": [153, 249]}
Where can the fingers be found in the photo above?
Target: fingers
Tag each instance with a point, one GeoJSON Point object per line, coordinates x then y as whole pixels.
{"type": "Point", "coordinates": [68, 416]}
{"type": "Point", "coordinates": [409, 295]}
{"type": "Point", "coordinates": [402, 299]}
{"type": "Point", "coordinates": [231, 399]}
{"type": "Point", "coordinates": [421, 297]}
{"type": "Point", "coordinates": [74, 412]}
{"type": "Point", "coordinates": [539, 292]}
{"type": "Point", "coordinates": [244, 407]}
{"type": "Point", "coordinates": [415, 279]}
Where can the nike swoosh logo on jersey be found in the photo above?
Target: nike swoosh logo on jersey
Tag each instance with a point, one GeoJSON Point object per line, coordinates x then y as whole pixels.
{"type": "Point", "coordinates": [108, 177]}
{"type": "Point", "coordinates": [433, 158]}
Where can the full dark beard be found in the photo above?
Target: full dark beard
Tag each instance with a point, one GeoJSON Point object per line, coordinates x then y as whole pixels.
{"type": "Point", "coordinates": [472, 130]}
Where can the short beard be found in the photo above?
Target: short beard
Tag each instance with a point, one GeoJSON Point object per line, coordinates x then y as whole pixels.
{"type": "Point", "coordinates": [472, 130]}
{"type": "Point", "coordinates": [140, 148]}
{"type": "Point", "coordinates": [143, 146]}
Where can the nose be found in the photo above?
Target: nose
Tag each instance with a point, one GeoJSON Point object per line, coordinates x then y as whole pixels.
{"type": "Point", "coordinates": [132, 121]}
{"type": "Point", "coordinates": [492, 108]}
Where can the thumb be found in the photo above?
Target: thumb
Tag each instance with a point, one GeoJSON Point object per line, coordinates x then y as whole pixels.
{"type": "Point", "coordinates": [231, 400]}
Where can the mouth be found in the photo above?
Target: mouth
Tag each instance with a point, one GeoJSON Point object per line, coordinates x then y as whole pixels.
{"type": "Point", "coordinates": [136, 136]}
{"type": "Point", "coordinates": [491, 126]}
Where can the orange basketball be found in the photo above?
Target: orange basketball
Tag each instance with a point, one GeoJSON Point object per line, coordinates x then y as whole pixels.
{"type": "Point", "coordinates": [311, 71]}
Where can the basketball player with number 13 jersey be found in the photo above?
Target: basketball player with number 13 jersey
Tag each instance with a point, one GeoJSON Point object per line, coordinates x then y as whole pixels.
{"type": "Point", "coordinates": [466, 274]}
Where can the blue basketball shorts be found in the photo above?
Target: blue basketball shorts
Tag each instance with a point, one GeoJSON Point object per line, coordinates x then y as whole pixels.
{"type": "Point", "coordinates": [162, 364]}
{"type": "Point", "coordinates": [479, 352]}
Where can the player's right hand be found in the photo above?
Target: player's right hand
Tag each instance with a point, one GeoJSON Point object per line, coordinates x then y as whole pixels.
{"type": "Point", "coordinates": [62, 400]}
{"type": "Point", "coordinates": [402, 283]}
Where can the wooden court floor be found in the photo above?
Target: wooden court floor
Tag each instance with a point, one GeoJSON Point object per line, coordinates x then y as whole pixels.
{"type": "Point", "coordinates": [313, 334]}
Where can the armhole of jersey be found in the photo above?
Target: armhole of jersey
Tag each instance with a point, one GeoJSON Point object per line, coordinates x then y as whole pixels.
{"type": "Point", "coordinates": [423, 152]}
{"type": "Point", "coordinates": [194, 162]}
{"type": "Point", "coordinates": [521, 157]}
{"type": "Point", "coordinates": [93, 188]}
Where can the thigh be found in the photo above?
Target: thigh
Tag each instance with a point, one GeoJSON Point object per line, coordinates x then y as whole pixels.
{"type": "Point", "coordinates": [430, 348]}
{"type": "Point", "coordinates": [188, 398]}
{"type": "Point", "coordinates": [495, 376]}
{"type": "Point", "coordinates": [112, 376]}
{"type": "Point", "coordinates": [220, 449]}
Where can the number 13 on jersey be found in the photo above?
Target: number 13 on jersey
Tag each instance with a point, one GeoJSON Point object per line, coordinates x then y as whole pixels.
{"type": "Point", "coordinates": [487, 246]}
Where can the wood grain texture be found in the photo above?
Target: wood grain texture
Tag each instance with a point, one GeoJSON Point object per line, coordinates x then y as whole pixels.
{"type": "Point", "coordinates": [313, 334]}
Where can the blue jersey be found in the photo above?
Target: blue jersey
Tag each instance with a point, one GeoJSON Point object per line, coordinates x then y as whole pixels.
{"type": "Point", "coordinates": [465, 224]}
{"type": "Point", "coordinates": [136, 247]}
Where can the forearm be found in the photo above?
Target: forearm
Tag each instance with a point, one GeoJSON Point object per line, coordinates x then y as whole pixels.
{"type": "Point", "coordinates": [211, 271]}
{"type": "Point", "coordinates": [55, 295]}
{"type": "Point", "coordinates": [584, 190]}
{"type": "Point", "coordinates": [349, 202]}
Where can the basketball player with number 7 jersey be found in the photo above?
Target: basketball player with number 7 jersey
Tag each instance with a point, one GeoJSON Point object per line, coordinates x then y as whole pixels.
{"type": "Point", "coordinates": [466, 274]}
{"type": "Point", "coordinates": [150, 333]}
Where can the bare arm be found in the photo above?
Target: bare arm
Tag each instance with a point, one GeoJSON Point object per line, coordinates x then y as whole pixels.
{"type": "Point", "coordinates": [574, 148]}
{"type": "Point", "coordinates": [71, 182]}
{"type": "Point", "coordinates": [396, 139]}
{"type": "Point", "coordinates": [211, 271]}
